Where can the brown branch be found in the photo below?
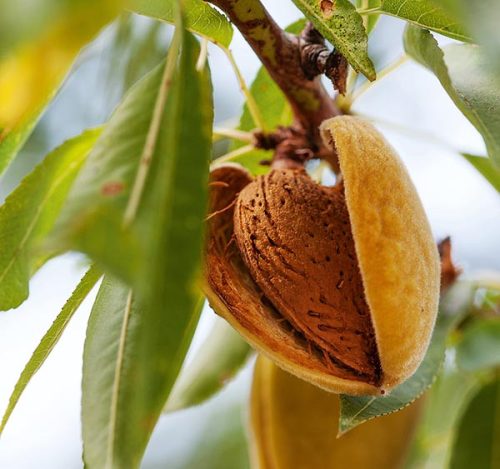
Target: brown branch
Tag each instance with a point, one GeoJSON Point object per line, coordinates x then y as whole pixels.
{"type": "Point", "coordinates": [449, 271]}
{"type": "Point", "coordinates": [317, 59]}
{"type": "Point", "coordinates": [280, 53]}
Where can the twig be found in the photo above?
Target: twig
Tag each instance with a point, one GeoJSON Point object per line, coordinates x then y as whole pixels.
{"type": "Point", "coordinates": [279, 52]}
{"type": "Point", "coordinates": [233, 154]}
{"type": "Point", "coordinates": [235, 134]}
{"type": "Point", "coordinates": [380, 75]}
{"type": "Point", "coordinates": [202, 58]}
{"type": "Point", "coordinates": [253, 108]}
{"type": "Point", "coordinates": [369, 11]}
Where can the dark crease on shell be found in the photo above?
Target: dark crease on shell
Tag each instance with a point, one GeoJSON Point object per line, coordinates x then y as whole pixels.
{"type": "Point", "coordinates": [296, 240]}
{"type": "Point", "coordinates": [229, 278]}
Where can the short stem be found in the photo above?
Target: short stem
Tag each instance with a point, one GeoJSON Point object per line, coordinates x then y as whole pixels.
{"type": "Point", "coordinates": [202, 58]}
{"type": "Point", "coordinates": [233, 154]}
{"type": "Point", "coordinates": [253, 108]}
{"type": "Point", "coordinates": [364, 6]}
{"type": "Point", "coordinates": [369, 11]}
{"type": "Point", "coordinates": [345, 102]}
{"type": "Point", "coordinates": [380, 75]}
{"type": "Point", "coordinates": [234, 134]}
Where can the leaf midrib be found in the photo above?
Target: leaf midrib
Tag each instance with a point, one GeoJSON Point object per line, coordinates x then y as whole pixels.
{"type": "Point", "coordinates": [37, 214]}
{"type": "Point", "coordinates": [117, 382]}
{"type": "Point", "coordinates": [345, 44]}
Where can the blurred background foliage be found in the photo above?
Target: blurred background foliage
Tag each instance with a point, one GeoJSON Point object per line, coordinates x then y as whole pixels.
{"type": "Point", "coordinates": [417, 116]}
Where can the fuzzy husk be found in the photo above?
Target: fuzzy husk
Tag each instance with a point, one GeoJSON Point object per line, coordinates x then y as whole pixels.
{"type": "Point", "coordinates": [397, 255]}
{"type": "Point", "coordinates": [294, 426]}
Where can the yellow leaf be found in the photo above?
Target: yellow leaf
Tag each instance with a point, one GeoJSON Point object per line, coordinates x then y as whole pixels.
{"type": "Point", "coordinates": [31, 73]}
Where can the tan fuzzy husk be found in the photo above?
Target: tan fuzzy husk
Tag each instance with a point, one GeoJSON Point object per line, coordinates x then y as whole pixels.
{"type": "Point", "coordinates": [294, 426]}
{"type": "Point", "coordinates": [233, 294]}
{"type": "Point", "coordinates": [397, 255]}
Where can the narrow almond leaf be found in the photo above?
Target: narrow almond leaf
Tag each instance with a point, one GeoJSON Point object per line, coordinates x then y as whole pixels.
{"type": "Point", "coordinates": [445, 404]}
{"type": "Point", "coordinates": [29, 213]}
{"type": "Point", "coordinates": [214, 434]}
{"type": "Point", "coordinates": [102, 235]}
{"type": "Point", "coordinates": [428, 15]}
{"type": "Point", "coordinates": [486, 168]}
{"type": "Point", "coordinates": [354, 410]}
{"type": "Point", "coordinates": [342, 25]}
{"type": "Point", "coordinates": [218, 360]}
{"type": "Point", "coordinates": [135, 348]}
{"type": "Point", "coordinates": [12, 141]}
{"type": "Point", "coordinates": [50, 339]}
{"type": "Point", "coordinates": [479, 346]}
{"type": "Point", "coordinates": [371, 20]}
{"type": "Point", "coordinates": [31, 73]}
{"type": "Point", "coordinates": [23, 22]}
{"type": "Point", "coordinates": [476, 443]}
{"type": "Point", "coordinates": [481, 19]}
{"type": "Point", "coordinates": [463, 72]}
{"type": "Point", "coordinates": [110, 359]}
{"type": "Point", "coordinates": [92, 217]}
{"type": "Point", "coordinates": [274, 110]}
{"type": "Point", "coordinates": [200, 18]}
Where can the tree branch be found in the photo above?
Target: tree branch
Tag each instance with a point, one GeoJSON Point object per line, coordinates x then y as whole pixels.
{"type": "Point", "coordinates": [280, 53]}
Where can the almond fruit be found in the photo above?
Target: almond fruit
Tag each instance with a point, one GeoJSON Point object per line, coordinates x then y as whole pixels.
{"type": "Point", "coordinates": [338, 285]}
{"type": "Point", "coordinates": [294, 425]}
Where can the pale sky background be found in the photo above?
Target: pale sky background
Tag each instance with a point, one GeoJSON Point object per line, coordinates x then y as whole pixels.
{"type": "Point", "coordinates": [44, 431]}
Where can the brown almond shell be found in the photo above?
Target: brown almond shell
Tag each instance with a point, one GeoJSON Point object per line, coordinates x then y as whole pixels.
{"type": "Point", "coordinates": [234, 295]}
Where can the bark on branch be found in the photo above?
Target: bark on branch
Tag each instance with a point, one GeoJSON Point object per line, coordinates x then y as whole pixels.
{"type": "Point", "coordinates": [280, 53]}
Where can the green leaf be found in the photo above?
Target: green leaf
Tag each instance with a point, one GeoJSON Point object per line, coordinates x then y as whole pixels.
{"type": "Point", "coordinates": [92, 218]}
{"type": "Point", "coordinates": [110, 358]}
{"type": "Point", "coordinates": [22, 22]}
{"type": "Point", "coordinates": [462, 70]}
{"type": "Point", "coordinates": [486, 168]}
{"type": "Point", "coordinates": [445, 404]}
{"type": "Point", "coordinates": [214, 433]}
{"type": "Point", "coordinates": [476, 444]}
{"type": "Point", "coordinates": [199, 18]}
{"type": "Point", "coordinates": [32, 72]}
{"type": "Point", "coordinates": [107, 177]}
{"type": "Point", "coordinates": [370, 20]}
{"type": "Point", "coordinates": [219, 358]}
{"type": "Point", "coordinates": [354, 410]}
{"type": "Point", "coordinates": [479, 347]}
{"type": "Point", "coordinates": [51, 338]}
{"type": "Point", "coordinates": [131, 380]}
{"type": "Point", "coordinates": [136, 342]}
{"type": "Point", "coordinates": [173, 211]}
{"type": "Point", "coordinates": [481, 19]}
{"type": "Point", "coordinates": [426, 14]}
{"type": "Point", "coordinates": [14, 140]}
{"type": "Point", "coordinates": [102, 235]}
{"type": "Point", "coordinates": [342, 25]}
{"type": "Point", "coordinates": [30, 212]}
{"type": "Point", "coordinates": [274, 110]}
